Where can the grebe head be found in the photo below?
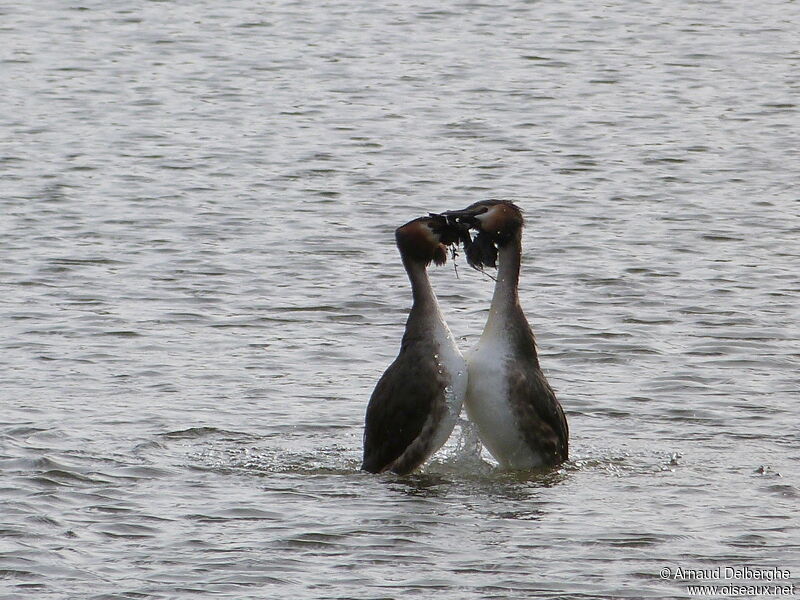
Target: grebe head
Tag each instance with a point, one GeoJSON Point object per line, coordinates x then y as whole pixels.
{"type": "Point", "coordinates": [497, 222]}
{"type": "Point", "coordinates": [499, 219]}
{"type": "Point", "coordinates": [426, 239]}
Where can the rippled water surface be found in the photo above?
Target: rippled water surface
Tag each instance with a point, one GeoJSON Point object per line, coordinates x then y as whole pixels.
{"type": "Point", "coordinates": [200, 289]}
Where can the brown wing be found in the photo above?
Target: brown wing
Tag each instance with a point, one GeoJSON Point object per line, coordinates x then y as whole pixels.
{"type": "Point", "coordinates": [539, 413]}
{"type": "Point", "coordinates": [406, 396]}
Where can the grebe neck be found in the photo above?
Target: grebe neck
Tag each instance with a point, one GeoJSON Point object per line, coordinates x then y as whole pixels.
{"type": "Point", "coordinates": [506, 295]}
{"type": "Point", "coordinates": [424, 298]}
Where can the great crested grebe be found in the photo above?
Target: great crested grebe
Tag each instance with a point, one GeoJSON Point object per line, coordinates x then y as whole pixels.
{"type": "Point", "coordinates": [417, 401]}
{"type": "Point", "coordinates": [519, 419]}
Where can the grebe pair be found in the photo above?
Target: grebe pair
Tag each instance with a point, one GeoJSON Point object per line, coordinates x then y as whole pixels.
{"type": "Point", "coordinates": [417, 401]}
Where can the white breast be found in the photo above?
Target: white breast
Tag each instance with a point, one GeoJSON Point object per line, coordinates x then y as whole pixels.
{"type": "Point", "coordinates": [488, 406]}
{"type": "Point", "coordinates": [452, 364]}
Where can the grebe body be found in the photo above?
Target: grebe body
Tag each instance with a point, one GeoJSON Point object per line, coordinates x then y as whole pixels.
{"type": "Point", "coordinates": [518, 416]}
{"type": "Point", "coordinates": [417, 401]}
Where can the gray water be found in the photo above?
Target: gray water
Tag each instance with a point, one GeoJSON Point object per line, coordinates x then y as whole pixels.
{"type": "Point", "coordinates": [200, 289]}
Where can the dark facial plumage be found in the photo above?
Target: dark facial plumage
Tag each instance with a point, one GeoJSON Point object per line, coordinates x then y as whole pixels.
{"type": "Point", "coordinates": [481, 251]}
{"type": "Point", "coordinates": [496, 222]}
{"type": "Point", "coordinates": [425, 239]}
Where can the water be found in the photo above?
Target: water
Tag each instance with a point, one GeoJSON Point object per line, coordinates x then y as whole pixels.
{"type": "Point", "coordinates": [200, 289]}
